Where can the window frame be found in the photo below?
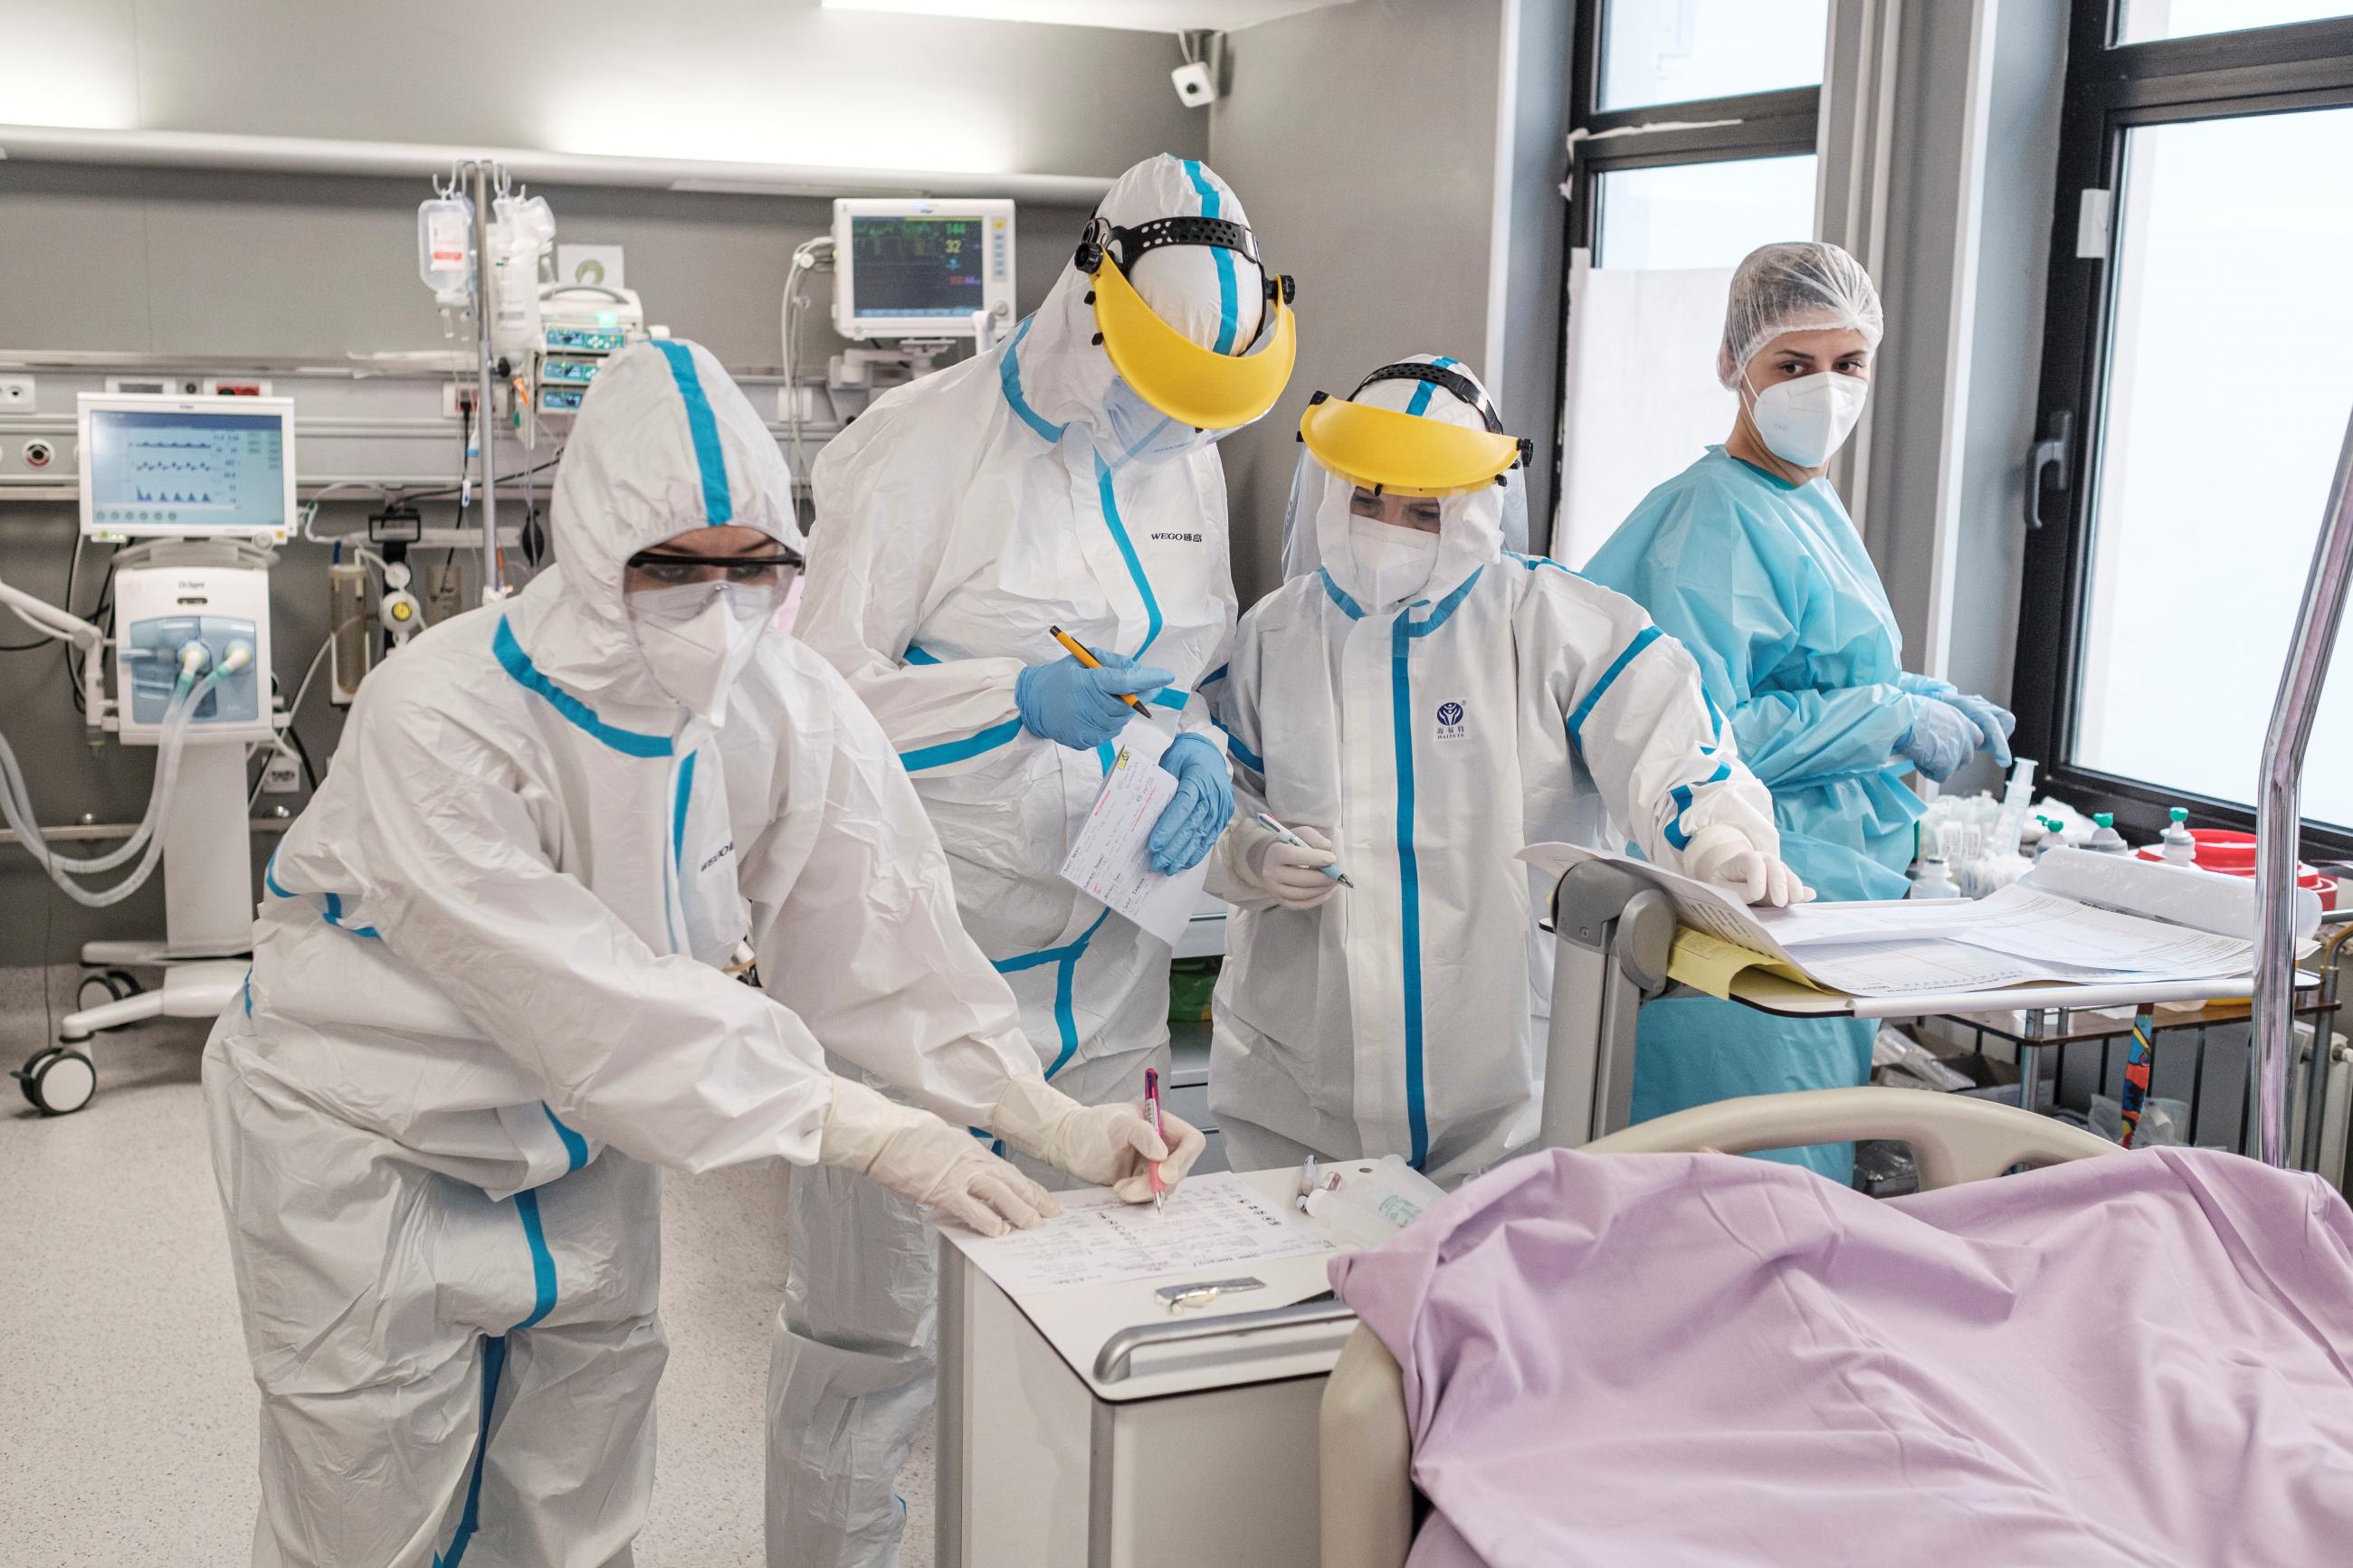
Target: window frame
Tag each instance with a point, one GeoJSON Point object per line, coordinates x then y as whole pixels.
{"type": "Point", "coordinates": [2112, 88]}
{"type": "Point", "coordinates": [1775, 124]}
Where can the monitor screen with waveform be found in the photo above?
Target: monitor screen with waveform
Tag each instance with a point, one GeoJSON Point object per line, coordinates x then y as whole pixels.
{"type": "Point", "coordinates": [173, 471]}
{"type": "Point", "coordinates": [918, 265]}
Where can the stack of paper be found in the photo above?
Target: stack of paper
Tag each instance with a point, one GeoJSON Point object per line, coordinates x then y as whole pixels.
{"type": "Point", "coordinates": [1111, 859]}
{"type": "Point", "coordinates": [2021, 934]}
{"type": "Point", "coordinates": [1211, 1223]}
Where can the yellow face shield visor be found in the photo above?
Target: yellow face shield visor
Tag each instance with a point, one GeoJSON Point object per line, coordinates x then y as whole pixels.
{"type": "Point", "coordinates": [1387, 452]}
{"type": "Point", "coordinates": [1197, 387]}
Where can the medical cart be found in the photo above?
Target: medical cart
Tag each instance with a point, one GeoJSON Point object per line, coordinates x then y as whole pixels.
{"type": "Point", "coordinates": [1094, 1427]}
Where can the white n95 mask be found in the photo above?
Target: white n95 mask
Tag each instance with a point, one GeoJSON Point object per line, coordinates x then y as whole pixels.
{"type": "Point", "coordinates": [1806, 420]}
{"type": "Point", "coordinates": [1392, 563]}
{"type": "Point", "coordinates": [1135, 431]}
{"type": "Point", "coordinates": [698, 637]}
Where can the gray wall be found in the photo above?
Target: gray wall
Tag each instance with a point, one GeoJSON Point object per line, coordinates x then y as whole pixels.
{"type": "Point", "coordinates": [778, 82]}
{"type": "Point", "coordinates": [236, 266]}
{"type": "Point", "coordinates": [1361, 140]}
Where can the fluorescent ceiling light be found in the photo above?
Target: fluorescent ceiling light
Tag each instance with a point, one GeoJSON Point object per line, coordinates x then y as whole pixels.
{"type": "Point", "coordinates": [1136, 16]}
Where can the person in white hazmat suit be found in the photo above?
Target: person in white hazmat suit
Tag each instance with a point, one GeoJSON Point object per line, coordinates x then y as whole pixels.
{"type": "Point", "coordinates": [1066, 478]}
{"type": "Point", "coordinates": [1417, 707]}
{"type": "Point", "coordinates": [499, 977]}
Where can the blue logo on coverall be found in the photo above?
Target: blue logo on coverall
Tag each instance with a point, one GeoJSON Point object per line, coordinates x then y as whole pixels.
{"type": "Point", "coordinates": [1449, 721]}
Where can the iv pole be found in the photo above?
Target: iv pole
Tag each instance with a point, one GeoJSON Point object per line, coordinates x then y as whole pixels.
{"type": "Point", "coordinates": [486, 382]}
{"type": "Point", "coordinates": [2279, 816]}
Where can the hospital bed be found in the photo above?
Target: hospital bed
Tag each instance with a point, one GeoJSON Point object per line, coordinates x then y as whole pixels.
{"type": "Point", "coordinates": [1364, 1450]}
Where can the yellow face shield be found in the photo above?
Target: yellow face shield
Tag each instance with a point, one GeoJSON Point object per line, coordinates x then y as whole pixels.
{"type": "Point", "coordinates": [1383, 450]}
{"type": "Point", "coordinates": [1198, 387]}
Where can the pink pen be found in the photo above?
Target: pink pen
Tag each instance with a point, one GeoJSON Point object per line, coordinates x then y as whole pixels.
{"type": "Point", "coordinates": [1151, 1098]}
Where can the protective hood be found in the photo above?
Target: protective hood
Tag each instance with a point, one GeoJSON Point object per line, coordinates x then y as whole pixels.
{"type": "Point", "coordinates": [665, 442]}
{"type": "Point", "coordinates": [1472, 527]}
{"type": "Point", "coordinates": [1211, 295]}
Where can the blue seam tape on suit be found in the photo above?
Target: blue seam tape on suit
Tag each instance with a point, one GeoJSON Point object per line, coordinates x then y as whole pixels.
{"type": "Point", "coordinates": [1642, 639]}
{"type": "Point", "coordinates": [517, 663]}
{"type": "Point", "coordinates": [1229, 292]}
{"type": "Point", "coordinates": [1403, 631]}
{"type": "Point", "coordinates": [677, 810]}
{"type": "Point", "coordinates": [575, 1147]}
{"type": "Point", "coordinates": [1127, 553]}
{"type": "Point", "coordinates": [1066, 957]}
{"type": "Point", "coordinates": [958, 750]}
{"type": "Point", "coordinates": [718, 504]}
{"type": "Point", "coordinates": [1009, 378]}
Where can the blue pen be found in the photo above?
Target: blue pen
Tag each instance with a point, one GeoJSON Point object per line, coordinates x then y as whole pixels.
{"type": "Point", "coordinates": [1279, 831]}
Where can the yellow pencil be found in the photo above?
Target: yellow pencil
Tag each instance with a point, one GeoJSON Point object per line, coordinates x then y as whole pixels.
{"type": "Point", "coordinates": [1077, 650]}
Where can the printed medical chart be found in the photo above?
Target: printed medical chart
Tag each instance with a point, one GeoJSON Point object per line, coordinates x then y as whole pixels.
{"type": "Point", "coordinates": [1110, 860]}
{"type": "Point", "coordinates": [1211, 1222]}
{"type": "Point", "coordinates": [2019, 935]}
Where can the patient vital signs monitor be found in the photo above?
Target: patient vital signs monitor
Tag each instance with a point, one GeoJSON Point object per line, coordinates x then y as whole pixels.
{"type": "Point", "coordinates": [921, 269]}
{"type": "Point", "coordinates": [186, 468]}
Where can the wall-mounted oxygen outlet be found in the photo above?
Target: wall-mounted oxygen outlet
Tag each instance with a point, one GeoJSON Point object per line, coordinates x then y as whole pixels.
{"type": "Point", "coordinates": [15, 394]}
{"type": "Point", "coordinates": [39, 455]}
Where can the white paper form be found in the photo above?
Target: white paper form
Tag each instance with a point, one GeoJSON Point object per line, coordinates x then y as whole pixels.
{"type": "Point", "coordinates": [2027, 923]}
{"type": "Point", "coordinates": [1210, 1224]}
{"type": "Point", "coordinates": [1111, 859]}
{"type": "Point", "coordinates": [2019, 936]}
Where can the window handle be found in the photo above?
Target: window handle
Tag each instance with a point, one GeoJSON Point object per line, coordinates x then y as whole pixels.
{"type": "Point", "coordinates": [2054, 450]}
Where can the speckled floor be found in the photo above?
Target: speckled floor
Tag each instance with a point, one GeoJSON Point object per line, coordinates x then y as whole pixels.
{"type": "Point", "coordinates": [128, 1433]}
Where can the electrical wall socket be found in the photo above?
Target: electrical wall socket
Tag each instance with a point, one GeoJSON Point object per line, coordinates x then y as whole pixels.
{"type": "Point", "coordinates": [281, 776]}
{"type": "Point", "coordinates": [15, 394]}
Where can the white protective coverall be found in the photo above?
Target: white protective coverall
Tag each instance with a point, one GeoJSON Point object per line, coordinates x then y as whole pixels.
{"type": "Point", "coordinates": [957, 519]}
{"type": "Point", "coordinates": [484, 1007]}
{"type": "Point", "coordinates": [1430, 733]}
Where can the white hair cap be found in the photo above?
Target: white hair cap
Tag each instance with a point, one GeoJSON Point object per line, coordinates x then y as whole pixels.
{"type": "Point", "coordinates": [1798, 286]}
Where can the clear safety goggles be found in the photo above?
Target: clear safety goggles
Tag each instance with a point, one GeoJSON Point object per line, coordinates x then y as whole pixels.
{"type": "Point", "coordinates": [679, 568]}
{"type": "Point", "coordinates": [1198, 387]}
{"type": "Point", "coordinates": [1387, 451]}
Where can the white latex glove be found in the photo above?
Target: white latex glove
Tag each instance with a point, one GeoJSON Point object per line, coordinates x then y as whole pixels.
{"type": "Point", "coordinates": [1106, 1145]}
{"type": "Point", "coordinates": [919, 1156]}
{"type": "Point", "coordinates": [1289, 872]}
{"type": "Point", "coordinates": [1723, 855]}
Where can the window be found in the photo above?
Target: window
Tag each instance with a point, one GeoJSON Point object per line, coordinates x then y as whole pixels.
{"type": "Point", "coordinates": [1673, 52]}
{"type": "Point", "coordinates": [2196, 339]}
{"type": "Point", "coordinates": [1695, 145]}
{"type": "Point", "coordinates": [2146, 21]}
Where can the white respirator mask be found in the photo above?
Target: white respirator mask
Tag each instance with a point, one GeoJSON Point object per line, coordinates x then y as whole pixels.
{"type": "Point", "coordinates": [1806, 420]}
{"type": "Point", "coordinates": [1392, 563]}
{"type": "Point", "coordinates": [698, 637]}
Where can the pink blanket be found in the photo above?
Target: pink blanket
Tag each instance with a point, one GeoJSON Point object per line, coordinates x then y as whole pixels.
{"type": "Point", "coordinates": [1689, 1359]}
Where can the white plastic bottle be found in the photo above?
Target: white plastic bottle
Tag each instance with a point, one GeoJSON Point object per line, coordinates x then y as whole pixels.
{"type": "Point", "coordinates": [2176, 844]}
{"type": "Point", "coordinates": [1935, 880]}
{"type": "Point", "coordinates": [2105, 839]}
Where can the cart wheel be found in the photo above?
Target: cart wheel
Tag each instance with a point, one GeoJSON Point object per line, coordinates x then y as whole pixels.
{"type": "Point", "coordinates": [126, 983]}
{"type": "Point", "coordinates": [96, 990]}
{"type": "Point", "coordinates": [24, 1075]}
{"type": "Point", "coordinates": [62, 1084]}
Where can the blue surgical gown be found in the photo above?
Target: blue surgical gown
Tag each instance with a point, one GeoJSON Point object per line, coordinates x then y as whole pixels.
{"type": "Point", "coordinates": [1769, 587]}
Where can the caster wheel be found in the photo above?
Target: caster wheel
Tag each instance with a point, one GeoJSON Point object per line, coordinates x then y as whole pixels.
{"type": "Point", "coordinates": [98, 990]}
{"type": "Point", "coordinates": [59, 1082]}
{"type": "Point", "coordinates": [24, 1075]}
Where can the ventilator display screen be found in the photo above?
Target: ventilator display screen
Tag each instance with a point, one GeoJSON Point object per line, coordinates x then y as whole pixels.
{"type": "Point", "coordinates": [917, 266]}
{"type": "Point", "coordinates": [169, 471]}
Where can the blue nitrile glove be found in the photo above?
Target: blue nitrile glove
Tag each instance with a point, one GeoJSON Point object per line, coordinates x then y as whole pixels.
{"type": "Point", "coordinates": [1204, 803]}
{"type": "Point", "coordinates": [1926, 686]}
{"type": "Point", "coordinates": [1940, 739]}
{"type": "Point", "coordinates": [1074, 706]}
{"type": "Point", "coordinates": [1994, 724]}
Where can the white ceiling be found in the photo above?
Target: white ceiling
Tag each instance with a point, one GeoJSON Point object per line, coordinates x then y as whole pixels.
{"type": "Point", "coordinates": [1138, 16]}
